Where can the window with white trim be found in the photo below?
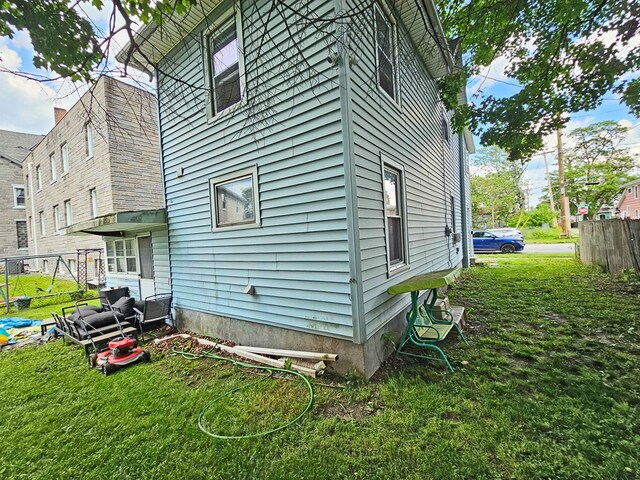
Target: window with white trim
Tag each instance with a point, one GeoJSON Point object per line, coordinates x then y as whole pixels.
{"type": "Point", "coordinates": [39, 177]}
{"type": "Point", "coordinates": [637, 213]}
{"type": "Point", "coordinates": [234, 200]}
{"type": "Point", "coordinates": [386, 51]}
{"type": "Point", "coordinates": [54, 171]}
{"type": "Point", "coordinates": [64, 153]}
{"type": "Point", "coordinates": [45, 266]}
{"type": "Point", "coordinates": [393, 191]}
{"type": "Point", "coordinates": [121, 256]}
{"type": "Point", "coordinates": [68, 213]}
{"type": "Point", "coordinates": [18, 196]}
{"type": "Point", "coordinates": [56, 218]}
{"type": "Point", "coordinates": [88, 140]}
{"type": "Point", "coordinates": [93, 195]}
{"type": "Point", "coordinates": [43, 230]}
{"type": "Point", "coordinates": [224, 63]}
{"type": "Point", "coordinates": [635, 191]}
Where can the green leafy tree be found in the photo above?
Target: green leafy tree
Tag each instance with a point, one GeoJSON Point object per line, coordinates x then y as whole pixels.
{"type": "Point", "coordinates": [496, 193]}
{"type": "Point", "coordinates": [563, 55]}
{"type": "Point", "coordinates": [540, 215]}
{"type": "Point", "coordinates": [596, 166]}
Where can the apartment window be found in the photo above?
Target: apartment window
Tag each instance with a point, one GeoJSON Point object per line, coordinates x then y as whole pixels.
{"type": "Point", "coordinates": [68, 213]}
{"type": "Point", "coordinates": [18, 196]}
{"type": "Point", "coordinates": [64, 152]}
{"type": "Point", "coordinates": [637, 212]}
{"type": "Point", "coordinates": [628, 215]}
{"type": "Point", "coordinates": [39, 177]}
{"type": "Point", "coordinates": [94, 202]}
{"type": "Point", "coordinates": [635, 191]}
{"type": "Point", "coordinates": [45, 266]}
{"type": "Point", "coordinates": [43, 230]}
{"type": "Point", "coordinates": [393, 186]}
{"type": "Point", "coordinates": [56, 218]}
{"type": "Point", "coordinates": [224, 64]}
{"type": "Point", "coordinates": [23, 236]}
{"type": "Point", "coordinates": [88, 140]}
{"type": "Point", "coordinates": [386, 51]}
{"type": "Point", "coordinates": [72, 266]}
{"type": "Point", "coordinates": [234, 200]}
{"type": "Point", "coordinates": [54, 172]}
{"type": "Point", "coordinates": [121, 256]}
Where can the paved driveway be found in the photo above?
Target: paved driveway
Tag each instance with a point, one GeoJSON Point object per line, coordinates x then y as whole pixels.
{"type": "Point", "coordinates": [549, 248]}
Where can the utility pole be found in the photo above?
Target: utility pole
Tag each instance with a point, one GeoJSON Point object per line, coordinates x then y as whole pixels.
{"type": "Point", "coordinates": [565, 220]}
{"type": "Point", "coordinates": [552, 203]}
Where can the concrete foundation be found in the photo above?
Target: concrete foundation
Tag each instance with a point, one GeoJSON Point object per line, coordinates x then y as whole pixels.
{"type": "Point", "coordinates": [366, 358]}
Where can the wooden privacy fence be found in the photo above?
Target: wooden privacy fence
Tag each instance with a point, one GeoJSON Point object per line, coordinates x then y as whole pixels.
{"type": "Point", "coordinates": [612, 244]}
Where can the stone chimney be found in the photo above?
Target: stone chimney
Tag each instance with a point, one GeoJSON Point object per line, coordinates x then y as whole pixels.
{"type": "Point", "coordinates": [58, 114]}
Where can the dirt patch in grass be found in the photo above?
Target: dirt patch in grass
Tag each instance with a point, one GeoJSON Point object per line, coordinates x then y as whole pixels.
{"type": "Point", "coordinates": [345, 409]}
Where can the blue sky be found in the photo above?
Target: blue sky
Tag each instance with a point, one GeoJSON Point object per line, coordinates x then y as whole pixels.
{"type": "Point", "coordinates": [493, 81]}
{"type": "Point", "coordinates": [27, 106]}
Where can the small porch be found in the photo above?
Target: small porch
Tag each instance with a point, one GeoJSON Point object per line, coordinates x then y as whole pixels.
{"type": "Point", "coordinates": [136, 250]}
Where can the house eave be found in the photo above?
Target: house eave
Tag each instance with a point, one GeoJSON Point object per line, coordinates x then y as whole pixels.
{"type": "Point", "coordinates": [116, 224]}
{"type": "Point", "coordinates": [156, 41]}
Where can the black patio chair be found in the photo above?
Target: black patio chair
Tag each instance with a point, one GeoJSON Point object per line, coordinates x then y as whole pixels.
{"type": "Point", "coordinates": [157, 309]}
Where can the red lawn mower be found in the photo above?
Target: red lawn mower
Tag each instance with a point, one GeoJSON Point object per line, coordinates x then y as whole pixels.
{"type": "Point", "coordinates": [120, 352]}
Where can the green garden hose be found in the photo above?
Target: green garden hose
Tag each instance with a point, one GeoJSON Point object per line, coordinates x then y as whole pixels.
{"type": "Point", "coordinates": [271, 370]}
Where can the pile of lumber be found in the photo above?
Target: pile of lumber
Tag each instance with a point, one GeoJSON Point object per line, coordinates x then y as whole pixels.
{"type": "Point", "coordinates": [310, 364]}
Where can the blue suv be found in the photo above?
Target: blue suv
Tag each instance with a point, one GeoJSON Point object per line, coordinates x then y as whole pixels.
{"type": "Point", "coordinates": [484, 241]}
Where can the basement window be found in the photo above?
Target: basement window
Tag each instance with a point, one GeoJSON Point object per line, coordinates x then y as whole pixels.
{"type": "Point", "coordinates": [234, 200]}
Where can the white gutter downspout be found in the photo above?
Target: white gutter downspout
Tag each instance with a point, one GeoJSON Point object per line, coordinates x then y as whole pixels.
{"type": "Point", "coordinates": [33, 214]}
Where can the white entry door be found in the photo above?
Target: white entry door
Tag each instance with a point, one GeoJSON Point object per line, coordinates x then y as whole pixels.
{"type": "Point", "coordinates": [145, 257]}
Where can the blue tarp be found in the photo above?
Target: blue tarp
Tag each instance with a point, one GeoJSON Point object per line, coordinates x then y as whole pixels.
{"type": "Point", "coordinates": [14, 322]}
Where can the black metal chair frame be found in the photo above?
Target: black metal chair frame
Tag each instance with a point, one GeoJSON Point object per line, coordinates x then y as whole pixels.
{"type": "Point", "coordinates": [151, 315]}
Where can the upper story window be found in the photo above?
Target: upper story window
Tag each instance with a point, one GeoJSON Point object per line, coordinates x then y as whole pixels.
{"type": "Point", "coordinates": [394, 214]}
{"type": "Point", "coordinates": [18, 196]}
{"type": "Point", "coordinates": [386, 51]}
{"type": "Point", "coordinates": [39, 177]}
{"type": "Point", "coordinates": [56, 218]}
{"type": "Point", "coordinates": [88, 140]}
{"type": "Point", "coordinates": [64, 152]}
{"type": "Point", "coordinates": [43, 230]}
{"type": "Point", "coordinates": [93, 195]}
{"type": "Point", "coordinates": [635, 191]}
{"type": "Point", "coordinates": [68, 211]}
{"type": "Point", "coordinates": [234, 200]}
{"type": "Point", "coordinates": [224, 64]}
{"type": "Point", "coordinates": [54, 171]}
{"type": "Point", "coordinates": [446, 131]}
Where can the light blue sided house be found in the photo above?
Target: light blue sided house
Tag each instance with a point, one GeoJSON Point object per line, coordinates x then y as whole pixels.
{"type": "Point", "coordinates": [308, 166]}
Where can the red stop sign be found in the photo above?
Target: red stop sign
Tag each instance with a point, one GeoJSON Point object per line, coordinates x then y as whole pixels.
{"type": "Point", "coordinates": [583, 210]}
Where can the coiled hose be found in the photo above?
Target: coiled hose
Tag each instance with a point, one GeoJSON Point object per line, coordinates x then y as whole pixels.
{"type": "Point", "coordinates": [271, 370]}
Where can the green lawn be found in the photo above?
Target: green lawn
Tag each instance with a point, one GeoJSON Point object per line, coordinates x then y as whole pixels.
{"type": "Point", "coordinates": [551, 390]}
{"type": "Point", "coordinates": [548, 235]}
{"type": "Point", "coordinates": [46, 295]}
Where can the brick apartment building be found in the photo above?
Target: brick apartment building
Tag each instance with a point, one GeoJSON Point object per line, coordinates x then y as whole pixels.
{"type": "Point", "coordinates": [100, 159]}
{"type": "Point", "coordinates": [14, 147]}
